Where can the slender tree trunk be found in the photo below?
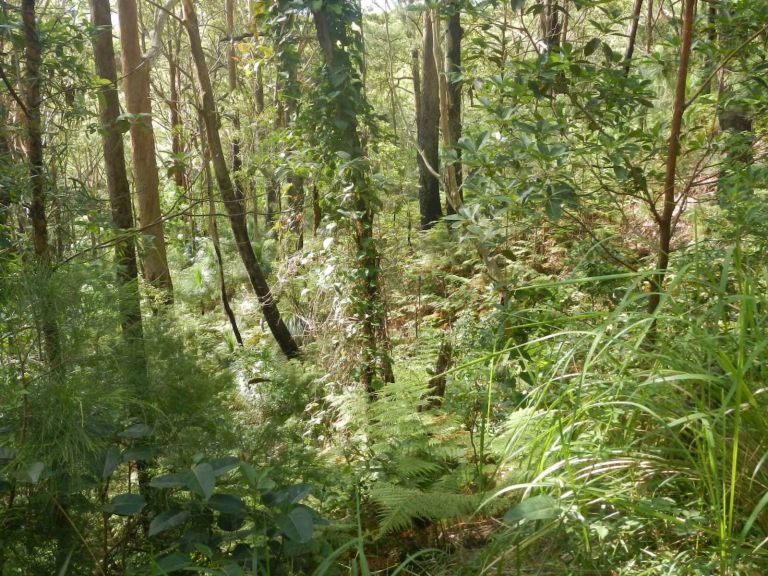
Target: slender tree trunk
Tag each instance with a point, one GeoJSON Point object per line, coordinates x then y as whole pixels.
{"type": "Point", "coordinates": [5, 163]}
{"type": "Point", "coordinates": [136, 87]}
{"type": "Point", "coordinates": [564, 26]}
{"type": "Point", "coordinates": [416, 75]}
{"type": "Point", "coordinates": [665, 218]}
{"type": "Point", "coordinates": [237, 162]}
{"type": "Point", "coordinates": [213, 231]}
{"type": "Point", "coordinates": [273, 199]}
{"type": "Point", "coordinates": [258, 90]}
{"type": "Point", "coordinates": [233, 203]}
{"type": "Point", "coordinates": [296, 213]}
{"type": "Point", "coordinates": [179, 171]}
{"type": "Point", "coordinates": [453, 36]}
{"type": "Point", "coordinates": [34, 145]}
{"type": "Point", "coordinates": [632, 35]}
{"type": "Point", "coordinates": [428, 131]}
{"type": "Point", "coordinates": [649, 28]}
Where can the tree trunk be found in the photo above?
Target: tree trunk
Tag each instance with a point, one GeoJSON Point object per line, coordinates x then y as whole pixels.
{"type": "Point", "coordinates": [232, 201]}
{"type": "Point", "coordinates": [237, 162]}
{"type": "Point", "coordinates": [340, 60]}
{"type": "Point", "coordinates": [179, 171]}
{"type": "Point", "coordinates": [135, 75]}
{"type": "Point", "coordinates": [649, 28]}
{"type": "Point", "coordinates": [34, 145]}
{"type": "Point", "coordinates": [665, 218]}
{"type": "Point", "coordinates": [550, 24]}
{"type": "Point", "coordinates": [117, 179]}
{"type": "Point", "coordinates": [632, 35]}
{"type": "Point", "coordinates": [453, 36]}
{"type": "Point", "coordinates": [129, 303]}
{"type": "Point", "coordinates": [258, 95]}
{"type": "Point", "coordinates": [452, 198]}
{"type": "Point", "coordinates": [213, 231]}
{"type": "Point", "coordinates": [428, 132]}
{"type": "Point", "coordinates": [296, 213]}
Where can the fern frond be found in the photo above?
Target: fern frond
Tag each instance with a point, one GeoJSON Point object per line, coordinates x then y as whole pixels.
{"type": "Point", "coordinates": [399, 506]}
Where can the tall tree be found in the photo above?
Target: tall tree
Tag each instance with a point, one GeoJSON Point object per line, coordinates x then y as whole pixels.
{"type": "Point", "coordinates": [213, 232]}
{"type": "Point", "coordinates": [453, 36]}
{"type": "Point", "coordinates": [450, 182]}
{"type": "Point", "coordinates": [117, 179]}
{"type": "Point", "coordinates": [338, 26]}
{"type": "Point", "coordinates": [135, 74]}
{"type": "Point", "coordinates": [34, 145]}
{"type": "Point", "coordinates": [428, 130]}
{"type": "Point", "coordinates": [237, 162]}
{"type": "Point", "coordinates": [287, 42]}
{"type": "Point", "coordinates": [233, 202]}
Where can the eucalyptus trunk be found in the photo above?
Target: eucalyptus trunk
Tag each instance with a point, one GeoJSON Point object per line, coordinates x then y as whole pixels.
{"type": "Point", "coordinates": [428, 131]}
{"type": "Point", "coordinates": [135, 76]}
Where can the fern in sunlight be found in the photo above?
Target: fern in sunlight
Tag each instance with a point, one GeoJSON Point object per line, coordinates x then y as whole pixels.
{"type": "Point", "coordinates": [399, 507]}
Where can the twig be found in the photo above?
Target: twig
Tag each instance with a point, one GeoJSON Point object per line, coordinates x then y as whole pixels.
{"type": "Point", "coordinates": [13, 92]}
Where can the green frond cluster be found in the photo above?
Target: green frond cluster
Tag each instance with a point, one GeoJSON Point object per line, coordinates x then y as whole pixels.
{"type": "Point", "coordinates": [399, 506]}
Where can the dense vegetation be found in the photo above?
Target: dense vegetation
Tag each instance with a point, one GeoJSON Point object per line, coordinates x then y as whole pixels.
{"type": "Point", "coordinates": [314, 287]}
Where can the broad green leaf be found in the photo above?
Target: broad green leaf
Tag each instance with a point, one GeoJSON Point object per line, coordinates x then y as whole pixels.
{"type": "Point", "coordinates": [230, 522]}
{"type": "Point", "coordinates": [167, 520]}
{"type": "Point", "coordinates": [223, 465]}
{"type": "Point", "coordinates": [290, 495]}
{"type": "Point", "coordinates": [297, 524]}
{"type": "Point", "coordinates": [536, 508]}
{"type": "Point", "coordinates": [206, 479]}
{"type": "Point", "coordinates": [591, 46]}
{"type": "Point", "coordinates": [227, 504]}
{"type": "Point", "coordinates": [111, 462]}
{"type": "Point", "coordinates": [138, 455]}
{"type": "Point", "coordinates": [126, 504]}
{"type": "Point", "coordinates": [172, 563]}
{"type": "Point", "coordinates": [136, 431]}
{"type": "Point", "coordinates": [177, 480]}
{"type": "Point", "coordinates": [232, 570]}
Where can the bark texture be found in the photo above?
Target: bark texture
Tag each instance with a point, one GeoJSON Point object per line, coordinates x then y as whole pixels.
{"type": "Point", "coordinates": [137, 99]}
{"type": "Point", "coordinates": [117, 179]}
{"type": "Point", "coordinates": [428, 131]}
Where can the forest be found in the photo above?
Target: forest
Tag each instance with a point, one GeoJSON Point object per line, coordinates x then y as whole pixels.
{"type": "Point", "coordinates": [383, 287]}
